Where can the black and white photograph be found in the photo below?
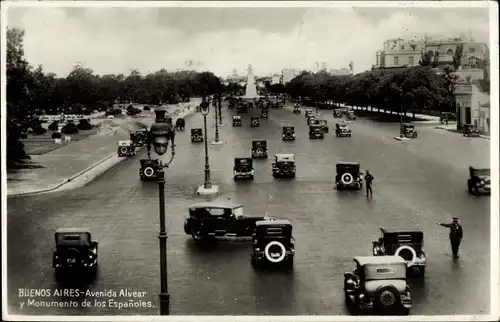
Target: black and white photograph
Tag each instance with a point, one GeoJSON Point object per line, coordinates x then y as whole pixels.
{"type": "Point", "coordinates": [290, 159]}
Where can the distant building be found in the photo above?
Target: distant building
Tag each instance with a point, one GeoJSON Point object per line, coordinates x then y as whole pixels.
{"type": "Point", "coordinates": [276, 79]}
{"type": "Point", "coordinates": [339, 72]}
{"type": "Point", "coordinates": [398, 53]}
{"type": "Point", "coordinates": [288, 74]}
{"type": "Point", "coordinates": [235, 78]}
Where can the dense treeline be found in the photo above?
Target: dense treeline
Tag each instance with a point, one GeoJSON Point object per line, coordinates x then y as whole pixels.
{"type": "Point", "coordinates": [407, 89]}
{"type": "Point", "coordinates": [32, 92]}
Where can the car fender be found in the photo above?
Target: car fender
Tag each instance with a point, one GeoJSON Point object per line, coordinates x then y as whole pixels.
{"type": "Point", "coordinates": [187, 225]}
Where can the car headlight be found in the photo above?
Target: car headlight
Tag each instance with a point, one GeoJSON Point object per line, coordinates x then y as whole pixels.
{"type": "Point", "coordinates": [477, 184]}
{"type": "Point", "coordinates": [482, 181]}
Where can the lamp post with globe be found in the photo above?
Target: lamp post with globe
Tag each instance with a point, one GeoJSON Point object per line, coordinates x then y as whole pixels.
{"type": "Point", "coordinates": [159, 135]}
{"type": "Point", "coordinates": [207, 189]}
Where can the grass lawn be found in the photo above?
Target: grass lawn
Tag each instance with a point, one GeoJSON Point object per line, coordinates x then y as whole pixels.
{"type": "Point", "coordinates": [41, 144]}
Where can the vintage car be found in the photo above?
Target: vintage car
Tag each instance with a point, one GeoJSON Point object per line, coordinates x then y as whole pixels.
{"type": "Point", "coordinates": [273, 244]}
{"type": "Point", "coordinates": [75, 251]}
{"type": "Point", "coordinates": [470, 130]}
{"type": "Point", "coordinates": [126, 148]}
{"type": "Point", "coordinates": [338, 113]}
{"type": "Point", "coordinates": [254, 121]}
{"type": "Point", "coordinates": [288, 133]}
{"type": "Point", "coordinates": [316, 132]}
{"type": "Point", "coordinates": [259, 149]}
{"type": "Point", "coordinates": [308, 112]}
{"type": "Point", "coordinates": [237, 121]}
{"type": "Point", "coordinates": [324, 125]}
{"type": "Point", "coordinates": [296, 109]}
{"type": "Point", "coordinates": [284, 165]}
{"type": "Point", "coordinates": [350, 115]}
{"type": "Point", "coordinates": [444, 116]}
{"type": "Point", "coordinates": [342, 129]}
{"type": "Point", "coordinates": [479, 181]}
{"type": "Point", "coordinates": [378, 284]}
{"type": "Point", "coordinates": [407, 244]}
{"type": "Point", "coordinates": [139, 137]}
{"type": "Point", "coordinates": [243, 168]}
{"type": "Point", "coordinates": [348, 176]}
{"type": "Point", "coordinates": [263, 114]}
{"type": "Point", "coordinates": [241, 108]}
{"type": "Point", "coordinates": [408, 130]}
{"type": "Point", "coordinates": [197, 135]}
{"type": "Point", "coordinates": [311, 119]}
{"type": "Point", "coordinates": [148, 169]}
{"type": "Point", "coordinates": [218, 219]}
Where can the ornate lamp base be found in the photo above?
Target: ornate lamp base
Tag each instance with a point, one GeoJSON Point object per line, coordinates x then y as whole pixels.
{"type": "Point", "coordinates": [212, 191]}
{"type": "Point", "coordinates": [217, 143]}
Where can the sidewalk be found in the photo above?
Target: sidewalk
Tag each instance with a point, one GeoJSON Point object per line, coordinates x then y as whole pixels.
{"type": "Point", "coordinates": [47, 172]}
{"type": "Point", "coordinates": [426, 118]}
{"type": "Point", "coordinates": [453, 128]}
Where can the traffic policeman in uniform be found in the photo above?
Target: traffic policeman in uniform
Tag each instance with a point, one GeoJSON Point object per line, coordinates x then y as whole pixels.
{"type": "Point", "coordinates": [456, 235]}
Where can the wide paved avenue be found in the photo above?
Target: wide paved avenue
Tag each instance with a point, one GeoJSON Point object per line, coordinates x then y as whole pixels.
{"type": "Point", "coordinates": [416, 184]}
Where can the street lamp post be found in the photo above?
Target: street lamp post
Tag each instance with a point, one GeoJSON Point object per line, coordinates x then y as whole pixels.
{"type": "Point", "coordinates": [216, 141]}
{"type": "Point", "coordinates": [207, 188]}
{"type": "Point", "coordinates": [401, 132]}
{"type": "Point", "coordinates": [159, 136]}
{"type": "Point", "coordinates": [220, 111]}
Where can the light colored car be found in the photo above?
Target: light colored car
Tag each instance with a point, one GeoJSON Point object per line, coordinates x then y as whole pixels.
{"type": "Point", "coordinates": [378, 283]}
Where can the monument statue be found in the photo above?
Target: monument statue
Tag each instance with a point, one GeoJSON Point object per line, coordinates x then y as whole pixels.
{"type": "Point", "coordinates": [251, 89]}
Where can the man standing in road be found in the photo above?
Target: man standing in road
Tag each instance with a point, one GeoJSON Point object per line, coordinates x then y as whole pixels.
{"type": "Point", "coordinates": [456, 235]}
{"type": "Point", "coordinates": [369, 178]}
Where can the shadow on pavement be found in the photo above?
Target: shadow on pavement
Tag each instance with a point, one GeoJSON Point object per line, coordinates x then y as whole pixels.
{"type": "Point", "coordinates": [23, 165]}
{"type": "Point", "coordinates": [386, 118]}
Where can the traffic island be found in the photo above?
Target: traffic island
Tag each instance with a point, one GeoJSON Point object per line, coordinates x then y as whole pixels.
{"type": "Point", "coordinates": [219, 143]}
{"type": "Point", "coordinates": [212, 191]}
{"type": "Point", "coordinates": [398, 138]}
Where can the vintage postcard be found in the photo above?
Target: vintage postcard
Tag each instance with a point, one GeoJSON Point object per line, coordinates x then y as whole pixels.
{"type": "Point", "coordinates": [269, 160]}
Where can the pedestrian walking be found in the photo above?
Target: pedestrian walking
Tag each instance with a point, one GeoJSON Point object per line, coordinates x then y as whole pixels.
{"type": "Point", "coordinates": [456, 235]}
{"type": "Point", "coordinates": [369, 179]}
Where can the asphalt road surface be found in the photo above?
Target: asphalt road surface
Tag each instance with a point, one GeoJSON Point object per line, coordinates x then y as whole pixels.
{"type": "Point", "coordinates": [416, 183]}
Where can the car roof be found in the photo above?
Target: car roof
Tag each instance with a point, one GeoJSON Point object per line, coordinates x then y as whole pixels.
{"type": "Point", "coordinates": [378, 260]}
{"type": "Point", "coordinates": [215, 204]}
{"type": "Point", "coordinates": [477, 167]}
{"type": "Point", "coordinates": [72, 230]}
{"type": "Point", "coordinates": [408, 124]}
{"type": "Point", "coordinates": [284, 155]}
{"type": "Point", "coordinates": [272, 222]}
{"type": "Point", "coordinates": [348, 163]}
{"type": "Point", "coordinates": [400, 230]}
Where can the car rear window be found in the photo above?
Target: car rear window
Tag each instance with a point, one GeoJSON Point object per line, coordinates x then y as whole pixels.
{"type": "Point", "coordinates": [404, 238]}
{"type": "Point", "coordinates": [385, 271]}
{"type": "Point", "coordinates": [72, 237]}
{"type": "Point", "coordinates": [274, 231]}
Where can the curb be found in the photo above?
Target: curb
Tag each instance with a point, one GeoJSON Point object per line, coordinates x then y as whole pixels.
{"type": "Point", "coordinates": [455, 131]}
{"type": "Point", "coordinates": [61, 184]}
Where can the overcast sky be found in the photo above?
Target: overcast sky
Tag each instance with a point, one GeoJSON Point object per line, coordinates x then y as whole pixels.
{"type": "Point", "coordinates": [116, 40]}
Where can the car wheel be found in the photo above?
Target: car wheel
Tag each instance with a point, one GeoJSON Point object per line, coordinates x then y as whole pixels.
{"type": "Point", "coordinates": [349, 135]}
{"type": "Point", "coordinates": [196, 234]}
{"type": "Point", "coordinates": [255, 263]}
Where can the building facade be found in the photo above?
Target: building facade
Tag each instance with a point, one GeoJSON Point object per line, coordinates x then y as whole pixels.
{"type": "Point", "coordinates": [398, 53]}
